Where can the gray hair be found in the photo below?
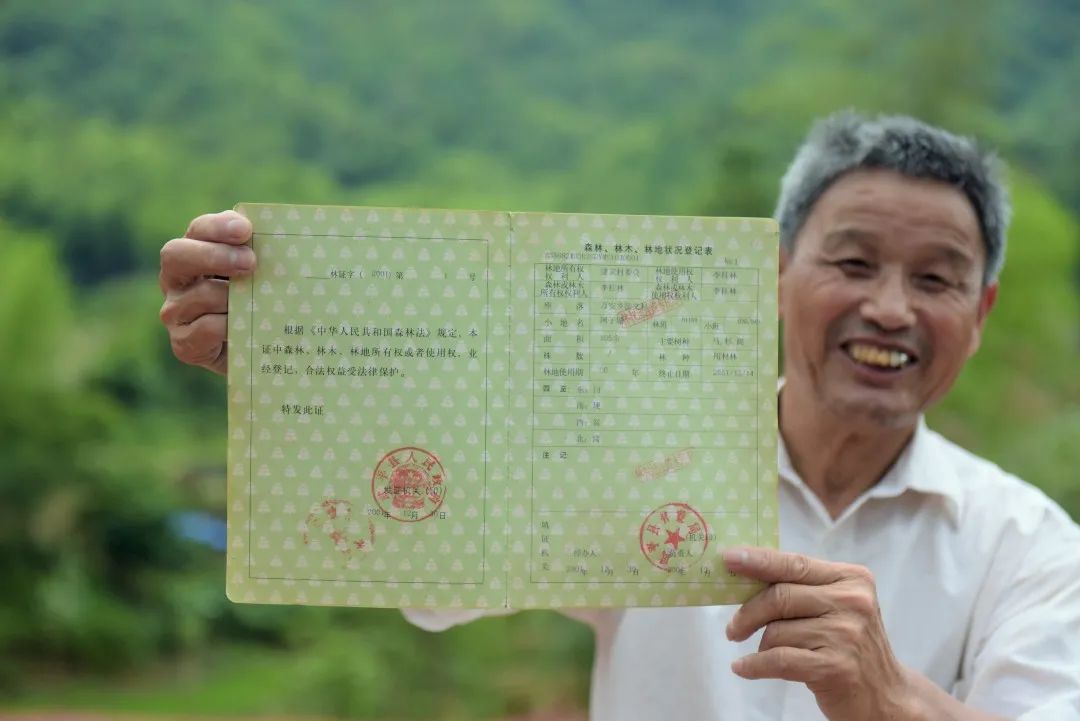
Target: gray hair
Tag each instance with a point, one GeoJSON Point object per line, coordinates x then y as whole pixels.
{"type": "Point", "coordinates": [846, 141]}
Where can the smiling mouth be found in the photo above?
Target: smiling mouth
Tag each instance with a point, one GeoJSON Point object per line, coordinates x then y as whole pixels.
{"type": "Point", "coordinates": [878, 357]}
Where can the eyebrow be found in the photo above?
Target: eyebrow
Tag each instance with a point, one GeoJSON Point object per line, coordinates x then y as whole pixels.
{"type": "Point", "coordinates": [836, 239]}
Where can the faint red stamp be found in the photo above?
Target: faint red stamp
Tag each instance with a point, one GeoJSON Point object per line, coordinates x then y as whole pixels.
{"type": "Point", "coordinates": [409, 484]}
{"type": "Point", "coordinates": [658, 469]}
{"type": "Point", "coordinates": [333, 518]}
{"type": "Point", "coordinates": [674, 536]}
{"type": "Point", "coordinates": [641, 312]}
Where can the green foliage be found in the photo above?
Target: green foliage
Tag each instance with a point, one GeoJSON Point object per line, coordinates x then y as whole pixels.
{"type": "Point", "coordinates": [1016, 402]}
{"type": "Point", "coordinates": [90, 566]}
{"type": "Point", "coordinates": [109, 196]}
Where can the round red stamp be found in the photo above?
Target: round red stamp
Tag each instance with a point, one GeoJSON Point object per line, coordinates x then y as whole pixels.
{"type": "Point", "coordinates": [333, 518]}
{"type": "Point", "coordinates": [674, 536]}
{"type": "Point", "coordinates": [409, 484]}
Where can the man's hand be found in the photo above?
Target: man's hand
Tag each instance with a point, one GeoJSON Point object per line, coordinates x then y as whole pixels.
{"type": "Point", "coordinates": [194, 278]}
{"type": "Point", "coordinates": [823, 628]}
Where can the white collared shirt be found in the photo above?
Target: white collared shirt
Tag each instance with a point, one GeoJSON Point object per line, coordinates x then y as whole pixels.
{"type": "Point", "coordinates": [978, 579]}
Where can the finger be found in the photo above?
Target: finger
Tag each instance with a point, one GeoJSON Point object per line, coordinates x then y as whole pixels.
{"type": "Point", "coordinates": [185, 260]}
{"type": "Point", "coordinates": [808, 633]}
{"type": "Point", "coordinates": [205, 296]}
{"type": "Point", "coordinates": [787, 663]}
{"type": "Point", "coordinates": [220, 364]}
{"type": "Point", "coordinates": [777, 602]}
{"type": "Point", "coordinates": [200, 342]}
{"type": "Point", "coordinates": [225, 227]}
{"type": "Point", "coordinates": [772, 566]}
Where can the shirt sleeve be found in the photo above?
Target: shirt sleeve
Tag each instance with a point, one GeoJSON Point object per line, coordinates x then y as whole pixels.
{"type": "Point", "coordinates": [440, 619]}
{"type": "Point", "coordinates": [1023, 658]}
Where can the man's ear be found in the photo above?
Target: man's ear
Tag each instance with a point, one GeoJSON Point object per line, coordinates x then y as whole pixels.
{"type": "Point", "coordinates": [987, 299]}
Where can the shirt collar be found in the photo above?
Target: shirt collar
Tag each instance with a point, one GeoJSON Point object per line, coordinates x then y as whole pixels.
{"type": "Point", "coordinates": [924, 467]}
{"type": "Point", "coordinates": [921, 467]}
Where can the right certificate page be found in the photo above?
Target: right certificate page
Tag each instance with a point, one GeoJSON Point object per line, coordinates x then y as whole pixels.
{"type": "Point", "coordinates": [641, 421]}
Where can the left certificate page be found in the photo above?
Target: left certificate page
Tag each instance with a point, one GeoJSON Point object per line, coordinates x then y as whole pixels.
{"type": "Point", "coordinates": [362, 356]}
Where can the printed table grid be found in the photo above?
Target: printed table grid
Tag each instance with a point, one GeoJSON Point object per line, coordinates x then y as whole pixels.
{"type": "Point", "coordinates": [573, 351]}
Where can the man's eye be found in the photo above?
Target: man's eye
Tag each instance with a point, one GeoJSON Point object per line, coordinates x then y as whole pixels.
{"type": "Point", "coordinates": [854, 267]}
{"type": "Point", "coordinates": [933, 281]}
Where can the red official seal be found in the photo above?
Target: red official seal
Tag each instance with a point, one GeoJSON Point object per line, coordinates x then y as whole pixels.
{"type": "Point", "coordinates": [674, 536]}
{"type": "Point", "coordinates": [333, 518]}
{"type": "Point", "coordinates": [409, 484]}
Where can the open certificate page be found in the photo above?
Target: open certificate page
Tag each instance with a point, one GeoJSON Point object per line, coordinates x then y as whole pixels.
{"type": "Point", "coordinates": [433, 408]}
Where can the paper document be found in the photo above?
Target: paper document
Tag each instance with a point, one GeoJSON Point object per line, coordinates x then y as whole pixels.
{"type": "Point", "coordinates": [439, 408]}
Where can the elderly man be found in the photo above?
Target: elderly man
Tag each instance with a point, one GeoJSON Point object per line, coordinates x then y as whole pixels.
{"type": "Point", "coordinates": [918, 581]}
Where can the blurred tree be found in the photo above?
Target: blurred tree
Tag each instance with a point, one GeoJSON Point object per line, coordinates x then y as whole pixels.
{"type": "Point", "coordinates": [1017, 401]}
{"type": "Point", "coordinates": [90, 568]}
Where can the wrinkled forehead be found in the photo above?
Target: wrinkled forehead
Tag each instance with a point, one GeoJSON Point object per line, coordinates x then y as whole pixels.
{"type": "Point", "coordinates": [877, 206]}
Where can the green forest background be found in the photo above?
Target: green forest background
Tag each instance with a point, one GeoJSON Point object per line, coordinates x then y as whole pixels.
{"type": "Point", "coordinates": [120, 120]}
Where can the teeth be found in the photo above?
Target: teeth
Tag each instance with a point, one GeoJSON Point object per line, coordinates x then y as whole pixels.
{"type": "Point", "coordinates": [872, 355]}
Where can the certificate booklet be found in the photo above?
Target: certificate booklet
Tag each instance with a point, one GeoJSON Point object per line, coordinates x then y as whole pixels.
{"type": "Point", "coordinates": [441, 408]}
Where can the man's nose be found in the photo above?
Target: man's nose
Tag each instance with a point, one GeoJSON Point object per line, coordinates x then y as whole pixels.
{"type": "Point", "coordinates": [888, 304]}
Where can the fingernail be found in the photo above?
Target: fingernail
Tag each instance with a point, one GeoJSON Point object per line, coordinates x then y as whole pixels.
{"type": "Point", "coordinates": [737, 665]}
{"type": "Point", "coordinates": [728, 632]}
{"type": "Point", "coordinates": [236, 227]}
{"type": "Point", "coordinates": [242, 258]}
{"type": "Point", "coordinates": [736, 555]}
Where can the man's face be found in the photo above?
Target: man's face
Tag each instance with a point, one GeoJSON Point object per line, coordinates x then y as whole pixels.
{"type": "Point", "coordinates": [882, 297]}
